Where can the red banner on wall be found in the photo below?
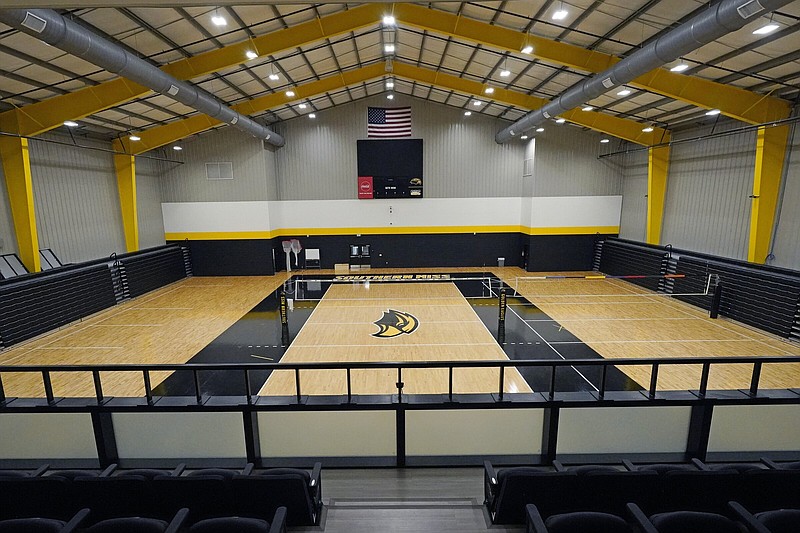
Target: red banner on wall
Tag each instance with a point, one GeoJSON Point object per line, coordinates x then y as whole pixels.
{"type": "Point", "coordinates": [365, 190]}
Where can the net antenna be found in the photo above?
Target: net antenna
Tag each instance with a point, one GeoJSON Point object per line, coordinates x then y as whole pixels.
{"type": "Point", "coordinates": [287, 249]}
{"type": "Point", "coordinates": [296, 248]}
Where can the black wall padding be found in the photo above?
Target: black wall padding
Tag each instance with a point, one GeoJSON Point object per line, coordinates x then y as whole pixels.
{"type": "Point", "coordinates": [626, 259]}
{"type": "Point", "coordinates": [151, 270]}
{"type": "Point", "coordinates": [763, 299]}
{"type": "Point", "coordinates": [35, 305]}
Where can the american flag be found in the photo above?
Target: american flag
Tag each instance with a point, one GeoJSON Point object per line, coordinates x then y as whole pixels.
{"type": "Point", "coordinates": [388, 122]}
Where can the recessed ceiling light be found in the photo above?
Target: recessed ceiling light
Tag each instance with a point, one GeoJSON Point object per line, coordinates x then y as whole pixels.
{"type": "Point", "coordinates": [524, 137]}
{"type": "Point", "coordinates": [561, 121]}
{"type": "Point", "coordinates": [390, 96]}
{"type": "Point", "coordinates": [388, 20]}
{"type": "Point", "coordinates": [312, 115]}
{"type": "Point", "coordinates": [390, 85]}
{"type": "Point", "coordinates": [539, 130]}
{"type": "Point", "coordinates": [713, 112]}
{"type": "Point", "coordinates": [302, 106]}
{"type": "Point", "coordinates": [135, 138]}
{"type": "Point", "coordinates": [587, 108]}
{"type": "Point", "coordinates": [648, 129]}
{"type": "Point", "coordinates": [769, 28]}
{"type": "Point", "coordinates": [505, 73]}
{"type": "Point", "coordinates": [70, 124]}
{"type": "Point", "coordinates": [624, 92]}
{"type": "Point", "coordinates": [561, 14]}
{"type": "Point", "coordinates": [489, 90]}
{"type": "Point", "coordinates": [274, 77]}
{"type": "Point", "coordinates": [680, 67]}
{"type": "Point", "coordinates": [527, 50]}
{"type": "Point", "coordinates": [289, 93]}
{"type": "Point", "coordinates": [219, 21]}
{"type": "Point", "coordinates": [250, 54]}
{"type": "Point", "coordinates": [388, 48]}
{"type": "Point", "coordinates": [467, 113]}
{"type": "Point", "coordinates": [177, 148]}
{"type": "Point", "coordinates": [476, 102]}
{"type": "Point", "coordinates": [604, 141]}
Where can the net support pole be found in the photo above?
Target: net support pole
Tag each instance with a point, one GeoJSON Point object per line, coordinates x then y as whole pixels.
{"type": "Point", "coordinates": [501, 317]}
{"type": "Point", "coordinates": [714, 312]}
{"type": "Point", "coordinates": [283, 309]}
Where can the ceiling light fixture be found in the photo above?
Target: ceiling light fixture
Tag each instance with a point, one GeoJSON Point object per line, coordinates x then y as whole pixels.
{"type": "Point", "coordinates": [476, 102]}
{"type": "Point", "coordinates": [390, 96]}
{"type": "Point", "coordinates": [390, 84]}
{"type": "Point", "coordinates": [274, 77]}
{"type": "Point", "coordinates": [467, 113]}
{"type": "Point", "coordinates": [135, 138]}
{"type": "Point", "coordinates": [587, 108]}
{"type": "Point", "coordinates": [289, 93]}
{"type": "Point", "coordinates": [713, 112]}
{"type": "Point", "coordinates": [302, 106]}
{"type": "Point", "coordinates": [250, 54]}
{"type": "Point", "coordinates": [312, 115]}
{"type": "Point", "coordinates": [71, 124]}
{"type": "Point", "coordinates": [524, 137]}
{"type": "Point", "coordinates": [505, 73]}
{"type": "Point", "coordinates": [561, 121]}
{"type": "Point", "coordinates": [604, 141]}
{"type": "Point", "coordinates": [388, 20]}
{"type": "Point", "coordinates": [624, 92]}
{"type": "Point", "coordinates": [647, 129]}
{"type": "Point", "coordinates": [680, 67]}
{"type": "Point", "coordinates": [218, 20]}
{"type": "Point", "coordinates": [561, 14]}
{"type": "Point", "coordinates": [539, 130]}
{"type": "Point", "coordinates": [489, 90]}
{"type": "Point", "coordinates": [388, 48]}
{"type": "Point", "coordinates": [768, 28]}
{"type": "Point", "coordinates": [527, 49]}
{"type": "Point", "coordinates": [177, 148]}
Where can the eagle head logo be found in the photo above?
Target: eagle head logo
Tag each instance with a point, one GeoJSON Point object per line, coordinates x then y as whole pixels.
{"type": "Point", "coordinates": [394, 323]}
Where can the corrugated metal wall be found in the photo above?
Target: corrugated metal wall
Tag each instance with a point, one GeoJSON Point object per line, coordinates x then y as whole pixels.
{"type": "Point", "coordinates": [634, 195]}
{"type": "Point", "coordinates": [7, 235]}
{"type": "Point", "coordinates": [188, 182]}
{"type": "Point", "coordinates": [566, 164]}
{"type": "Point", "coordinates": [148, 202]}
{"type": "Point", "coordinates": [461, 158]}
{"type": "Point", "coordinates": [76, 198]}
{"type": "Point", "coordinates": [787, 243]}
{"type": "Point", "coordinates": [710, 181]}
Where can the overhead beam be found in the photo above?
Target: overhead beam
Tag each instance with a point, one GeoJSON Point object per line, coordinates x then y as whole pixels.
{"type": "Point", "coordinates": [17, 170]}
{"type": "Point", "coordinates": [174, 131]}
{"type": "Point", "coordinates": [125, 166]}
{"type": "Point", "coordinates": [657, 166]}
{"type": "Point", "coordinates": [43, 116]}
{"type": "Point", "coordinates": [770, 156]}
{"type": "Point", "coordinates": [626, 129]}
{"type": "Point", "coordinates": [732, 101]}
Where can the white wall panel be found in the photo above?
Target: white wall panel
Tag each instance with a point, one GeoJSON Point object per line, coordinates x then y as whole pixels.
{"type": "Point", "coordinates": [187, 182]}
{"type": "Point", "coordinates": [786, 247]}
{"type": "Point", "coordinates": [77, 201]}
{"type": "Point", "coordinates": [47, 436]}
{"type": "Point", "coordinates": [148, 202]}
{"type": "Point", "coordinates": [736, 428]}
{"type": "Point", "coordinates": [566, 164]}
{"type": "Point", "coordinates": [633, 223]}
{"type": "Point", "coordinates": [7, 233]}
{"type": "Point", "coordinates": [708, 205]}
{"type": "Point", "coordinates": [216, 217]}
{"type": "Point", "coordinates": [575, 211]}
{"type": "Point", "coordinates": [635, 430]}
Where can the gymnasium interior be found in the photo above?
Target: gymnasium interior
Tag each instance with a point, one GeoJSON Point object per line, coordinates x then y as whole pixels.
{"type": "Point", "coordinates": [514, 265]}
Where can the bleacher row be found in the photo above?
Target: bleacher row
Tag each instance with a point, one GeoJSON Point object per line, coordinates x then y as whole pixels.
{"type": "Point", "coordinates": [691, 497]}
{"type": "Point", "coordinates": [158, 501]}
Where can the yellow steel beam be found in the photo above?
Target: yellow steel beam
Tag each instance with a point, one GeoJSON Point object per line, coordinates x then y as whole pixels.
{"type": "Point", "coordinates": [770, 157]}
{"type": "Point", "coordinates": [43, 116]}
{"type": "Point", "coordinates": [17, 170]}
{"type": "Point", "coordinates": [732, 101]}
{"type": "Point", "coordinates": [657, 166]}
{"type": "Point", "coordinates": [619, 127]}
{"type": "Point", "coordinates": [168, 133]}
{"type": "Point", "coordinates": [126, 182]}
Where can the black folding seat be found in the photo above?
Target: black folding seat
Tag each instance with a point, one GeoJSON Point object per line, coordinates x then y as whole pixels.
{"type": "Point", "coordinates": [43, 525]}
{"type": "Point", "coordinates": [685, 522]}
{"type": "Point", "coordinates": [773, 521]}
{"type": "Point", "coordinates": [260, 494]}
{"type": "Point", "coordinates": [28, 497]}
{"type": "Point", "coordinates": [138, 524]}
{"type": "Point", "coordinates": [576, 522]}
{"type": "Point", "coordinates": [205, 496]}
{"type": "Point", "coordinates": [236, 524]}
{"type": "Point", "coordinates": [110, 497]}
{"type": "Point", "coordinates": [226, 473]}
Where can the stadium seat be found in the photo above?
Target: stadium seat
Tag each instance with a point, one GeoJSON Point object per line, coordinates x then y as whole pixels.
{"type": "Point", "coordinates": [260, 495]}
{"type": "Point", "coordinates": [206, 496]}
{"type": "Point", "coordinates": [222, 472]}
{"type": "Point", "coordinates": [151, 473]}
{"type": "Point", "coordinates": [585, 469]}
{"type": "Point", "coordinates": [72, 474]}
{"type": "Point", "coordinates": [662, 468]}
{"type": "Point", "coordinates": [684, 522]}
{"type": "Point", "coordinates": [43, 525]}
{"type": "Point", "coordinates": [774, 521]}
{"type": "Point", "coordinates": [138, 524]}
{"type": "Point", "coordinates": [577, 522]}
{"type": "Point", "coordinates": [237, 524]}
{"type": "Point", "coordinates": [5, 474]}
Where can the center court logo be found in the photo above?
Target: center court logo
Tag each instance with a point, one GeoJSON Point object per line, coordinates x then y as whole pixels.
{"type": "Point", "coordinates": [394, 323]}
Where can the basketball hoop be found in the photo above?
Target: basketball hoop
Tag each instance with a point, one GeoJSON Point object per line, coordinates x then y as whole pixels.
{"type": "Point", "coordinates": [287, 249]}
{"type": "Point", "coordinates": [296, 247]}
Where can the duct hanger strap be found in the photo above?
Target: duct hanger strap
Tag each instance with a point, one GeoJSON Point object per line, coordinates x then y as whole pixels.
{"type": "Point", "coordinates": [52, 28]}
{"type": "Point", "coordinates": [718, 20]}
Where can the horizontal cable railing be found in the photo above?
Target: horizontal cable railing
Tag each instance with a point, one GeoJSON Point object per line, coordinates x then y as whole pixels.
{"type": "Point", "coordinates": [655, 366]}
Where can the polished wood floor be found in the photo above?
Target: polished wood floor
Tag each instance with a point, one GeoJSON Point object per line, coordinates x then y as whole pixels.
{"type": "Point", "coordinates": [615, 318]}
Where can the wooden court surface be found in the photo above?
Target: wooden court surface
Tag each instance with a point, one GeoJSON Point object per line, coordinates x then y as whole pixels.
{"type": "Point", "coordinates": [615, 318]}
{"type": "Point", "coordinates": [341, 328]}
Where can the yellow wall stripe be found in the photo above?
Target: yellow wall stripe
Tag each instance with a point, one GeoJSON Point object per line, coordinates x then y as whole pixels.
{"type": "Point", "coordinates": [408, 230]}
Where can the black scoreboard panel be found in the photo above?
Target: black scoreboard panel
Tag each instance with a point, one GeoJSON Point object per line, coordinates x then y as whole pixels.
{"type": "Point", "coordinates": [395, 166]}
{"type": "Point", "coordinates": [396, 187]}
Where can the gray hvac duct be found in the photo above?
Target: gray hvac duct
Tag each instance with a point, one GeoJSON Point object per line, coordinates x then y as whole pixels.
{"type": "Point", "coordinates": [52, 28]}
{"type": "Point", "coordinates": [718, 20]}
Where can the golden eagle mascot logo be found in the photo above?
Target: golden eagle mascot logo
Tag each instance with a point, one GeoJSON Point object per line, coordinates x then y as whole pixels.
{"type": "Point", "coordinates": [394, 323]}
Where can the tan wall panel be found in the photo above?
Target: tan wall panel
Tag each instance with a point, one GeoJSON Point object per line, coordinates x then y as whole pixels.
{"type": "Point", "coordinates": [47, 435]}
{"type": "Point", "coordinates": [755, 428]}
